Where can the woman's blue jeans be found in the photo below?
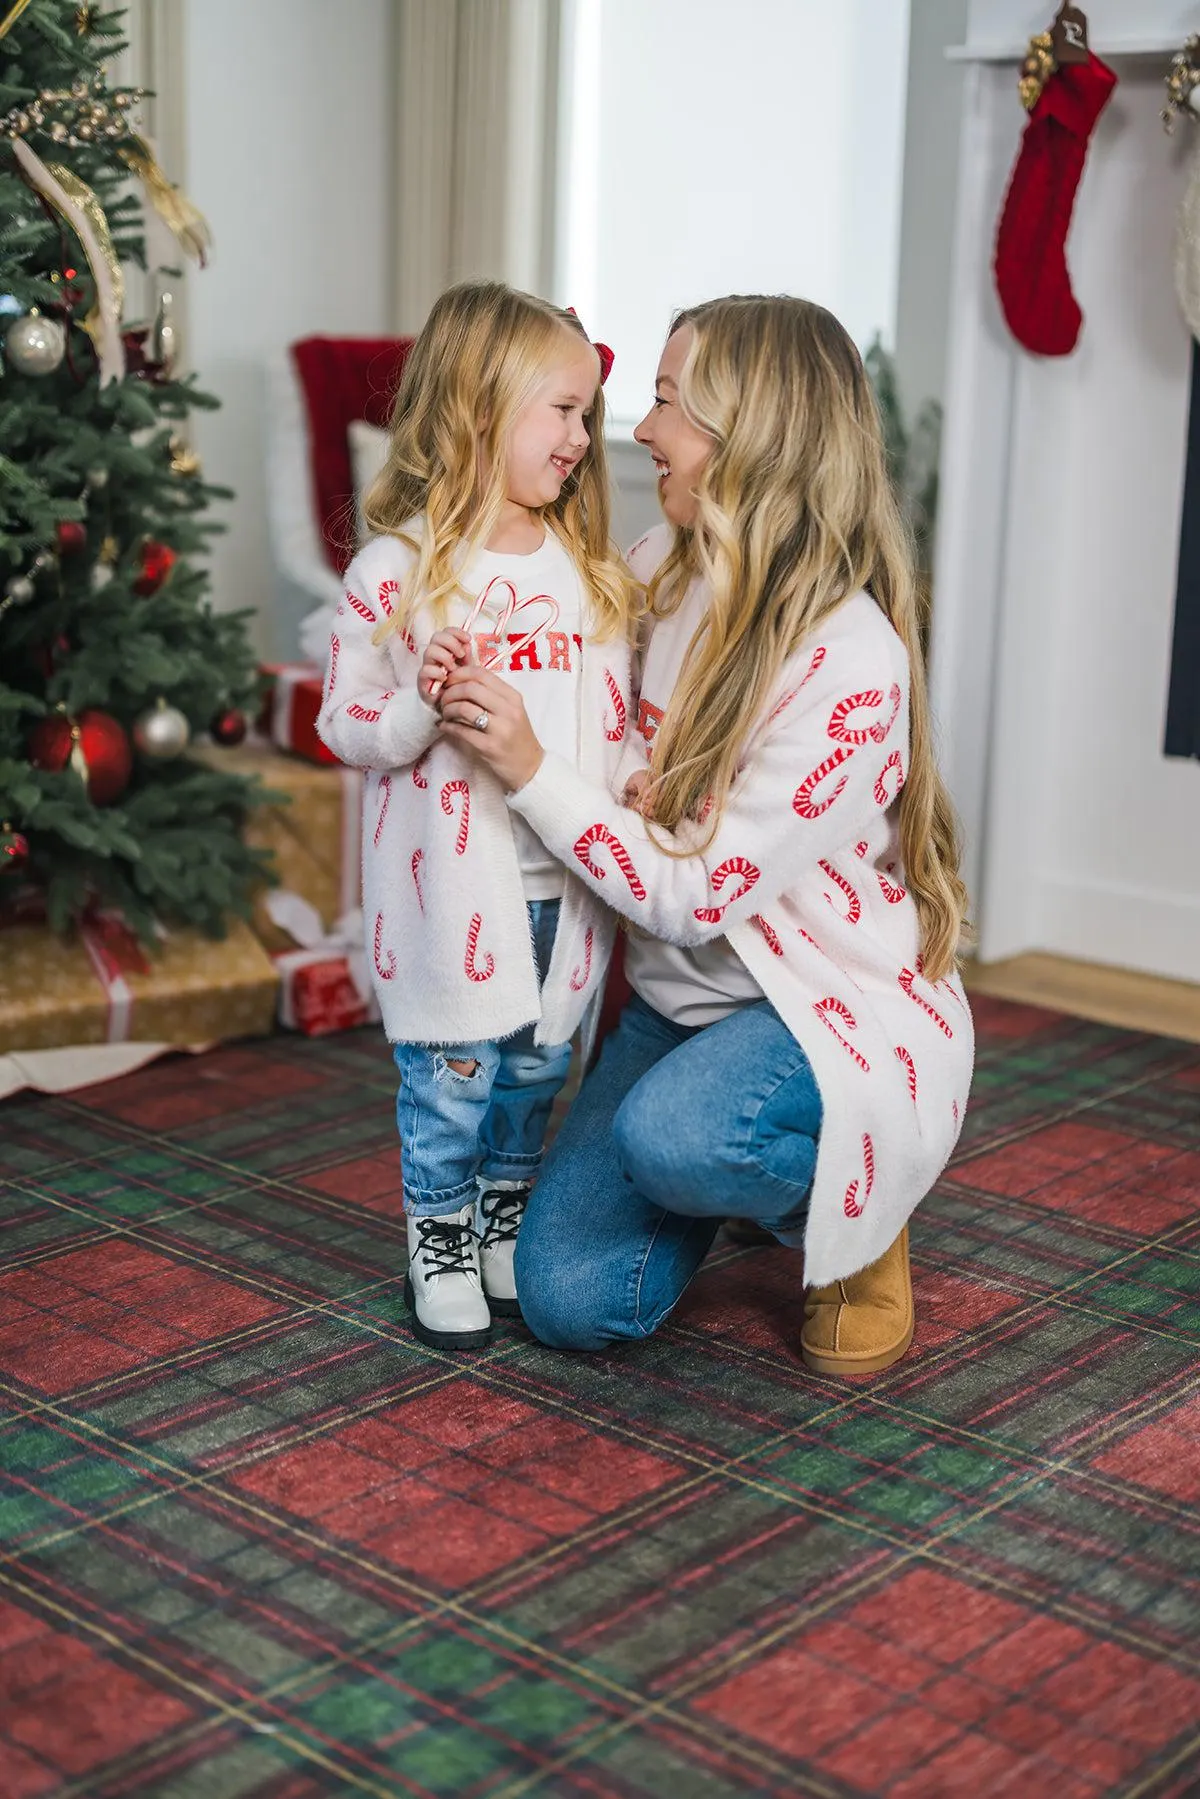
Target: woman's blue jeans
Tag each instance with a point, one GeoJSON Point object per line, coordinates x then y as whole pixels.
{"type": "Point", "coordinates": [673, 1130]}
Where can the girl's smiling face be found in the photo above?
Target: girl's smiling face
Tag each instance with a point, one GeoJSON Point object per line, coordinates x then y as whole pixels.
{"type": "Point", "coordinates": [550, 434]}
{"type": "Point", "coordinates": [679, 448]}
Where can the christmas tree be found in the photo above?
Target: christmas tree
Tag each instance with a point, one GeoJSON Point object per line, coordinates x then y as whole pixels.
{"type": "Point", "coordinates": [111, 656]}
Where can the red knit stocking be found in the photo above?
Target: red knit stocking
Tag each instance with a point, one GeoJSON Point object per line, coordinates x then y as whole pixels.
{"type": "Point", "coordinates": [1031, 243]}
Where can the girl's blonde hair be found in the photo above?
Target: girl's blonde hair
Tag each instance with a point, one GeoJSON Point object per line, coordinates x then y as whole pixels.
{"type": "Point", "coordinates": [481, 356]}
{"type": "Point", "coordinates": [794, 512]}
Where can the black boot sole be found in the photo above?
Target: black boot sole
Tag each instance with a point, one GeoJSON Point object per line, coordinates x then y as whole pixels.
{"type": "Point", "coordinates": [442, 1339]}
{"type": "Point", "coordinates": [504, 1308]}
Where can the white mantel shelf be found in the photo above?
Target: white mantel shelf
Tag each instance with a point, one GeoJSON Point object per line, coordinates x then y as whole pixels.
{"type": "Point", "coordinates": [1012, 52]}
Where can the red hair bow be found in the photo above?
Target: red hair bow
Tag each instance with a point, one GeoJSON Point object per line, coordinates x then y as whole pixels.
{"type": "Point", "coordinates": [602, 351]}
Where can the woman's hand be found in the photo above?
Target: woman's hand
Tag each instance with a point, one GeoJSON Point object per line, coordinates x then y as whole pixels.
{"type": "Point", "coordinates": [634, 791]}
{"type": "Point", "coordinates": [445, 650]}
{"type": "Point", "coordinates": [487, 717]}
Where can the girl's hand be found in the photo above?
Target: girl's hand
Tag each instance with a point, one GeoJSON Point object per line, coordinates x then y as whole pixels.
{"type": "Point", "coordinates": [506, 742]}
{"type": "Point", "coordinates": [635, 787]}
{"type": "Point", "coordinates": [445, 650]}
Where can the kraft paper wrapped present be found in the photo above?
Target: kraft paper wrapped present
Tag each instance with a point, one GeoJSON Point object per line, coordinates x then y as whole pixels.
{"type": "Point", "coordinates": [314, 836]}
{"type": "Point", "coordinates": [99, 988]}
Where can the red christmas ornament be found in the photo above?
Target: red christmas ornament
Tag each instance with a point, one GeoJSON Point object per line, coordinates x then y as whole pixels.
{"type": "Point", "coordinates": [229, 727]}
{"type": "Point", "coordinates": [158, 559]}
{"type": "Point", "coordinates": [14, 850]}
{"type": "Point", "coordinates": [1032, 278]}
{"type": "Point", "coordinates": [72, 537]}
{"type": "Point", "coordinates": [94, 744]}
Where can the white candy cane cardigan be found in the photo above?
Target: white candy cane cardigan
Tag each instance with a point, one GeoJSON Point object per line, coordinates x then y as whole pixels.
{"type": "Point", "coordinates": [804, 878]}
{"type": "Point", "coordinates": [443, 906]}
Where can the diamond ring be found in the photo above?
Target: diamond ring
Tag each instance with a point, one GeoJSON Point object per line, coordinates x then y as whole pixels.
{"type": "Point", "coordinates": [481, 723]}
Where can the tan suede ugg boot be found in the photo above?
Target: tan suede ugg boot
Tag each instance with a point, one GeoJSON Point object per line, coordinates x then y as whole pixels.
{"type": "Point", "coordinates": [864, 1323]}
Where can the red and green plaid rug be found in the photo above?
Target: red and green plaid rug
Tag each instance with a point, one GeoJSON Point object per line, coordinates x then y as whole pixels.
{"type": "Point", "coordinates": [257, 1541]}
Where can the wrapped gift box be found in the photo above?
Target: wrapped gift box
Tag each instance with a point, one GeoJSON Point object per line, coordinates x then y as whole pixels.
{"type": "Point", "coordinates": [314, 835]}
{"type": "Point", "coordinates": [291, 702]}
{"type": "Point", "coordinates": [324, 983]}
{"type": "Point", "coordinates": [98, 987]}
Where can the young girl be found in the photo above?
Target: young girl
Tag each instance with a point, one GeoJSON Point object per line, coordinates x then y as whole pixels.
{"type": "Point", "coordinates": [491, 549]}
{"type": "Point", "coordinates": [798, 1048]}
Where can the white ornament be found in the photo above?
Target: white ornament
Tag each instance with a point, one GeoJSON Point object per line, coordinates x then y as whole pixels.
{"type": "Point", "coordinates": [100, 576]}
{"type": "Point", "coordinates": [35, 345]}
{"type": "Point", "coordinates": [1193, 98]}
{"type": "Point", "coordinates": [19, 590]}
{"type": "Point", "coordinates": [162, 733]}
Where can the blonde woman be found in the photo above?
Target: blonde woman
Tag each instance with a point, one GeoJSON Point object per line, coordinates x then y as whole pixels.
{"type": "Point", "coordinates": [798, 1047]}
{"type": "Point", "coordinates": [491, 542]}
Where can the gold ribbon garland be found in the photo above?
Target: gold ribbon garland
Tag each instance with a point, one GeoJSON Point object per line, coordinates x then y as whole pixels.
{"type": "Point", "coordinates": [172, 205]}
{"type": "Point", "coordinates": [11, 16]}
{"type": "Point", "coordinates": [75, 203]}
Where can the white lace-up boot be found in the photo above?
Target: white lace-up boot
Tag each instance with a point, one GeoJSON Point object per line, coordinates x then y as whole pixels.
{"type": "Point", "coordinates": [443, 1289]}
{"type": "Point", "coordinates": [501, 1209]}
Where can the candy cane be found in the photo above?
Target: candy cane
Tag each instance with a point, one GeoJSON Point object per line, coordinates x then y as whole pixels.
{"type": "Point", "coordinates": [620, 855]}
{"type": "Point", "coordinates": [882, 796]}
{"type": "Point", "coordinates": [772, 941]}
{"type": "Point", "coordinates": [802, 800]}
{"type": "Point", "coordinates": [907, 977]}
{"type": "Point", "coordinates": [710, 800]}
{"type": "Point", "coordinates": [879, 730]}
{"type": "Point", "coordinates": [851, 1204]}
{"type": "Point", "coordinates": [911, 1070]}
{"type": "Point", "coordinates": [954, 1109]}
{"type": "Point", "coordinates": [580, 978]}
{"type": "Point", "coordinates": [386, 590]}
{"type": "Point", "coordinates": [489, 969]}
{"type": "Point", "coordinates": [860, 849]}
{"type": "Point", "coordinates": [818, 657]}
{"type": "Point", "coordinates": [385, 789]}
{"type": "Point", "coordinates": [853, 911]}
{"type": "Point", "coordinates": [418, 770]}
{"type": "Point", "coordinates": [734, 865]}
{"type": "Point", "coordinates": [361, 607]}
{"type": "Point", "coordinates": [893, 895]}
{"type": "Point", "coordinates": [388, 973]}
{"type": "Point", "coordinates": [618, 729]}
{"type": "Point", "coordinates": [854, 702]}
{"type": "Point", "coordinates": [464, 824]}
{"type": "Point", "coordinates": [368, 714]}
{"type": "Point", "coordinates": [823, 1008]}
{"type": "Point", "coordinates": [418, 856]}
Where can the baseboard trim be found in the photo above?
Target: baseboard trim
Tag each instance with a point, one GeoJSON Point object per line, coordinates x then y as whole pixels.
{"type": "Point", "coordinates": [1116, 996]}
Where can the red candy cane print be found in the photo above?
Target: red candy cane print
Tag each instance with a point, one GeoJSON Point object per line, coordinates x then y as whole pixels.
{"type": "Point", "coordinates": [386, 590]}
{"type": "Point", "coordinates": [882, 796]}
{"type": "Point", "coordinates": [581, 976]}
{"type": "Point", "coordinates": [907, 977]}
{"type": "Point", "coordinates": [418, 770]}
{"type": "Point", "coordinates": [385, 800]}
{"type": "Point", "coordinates": [418, 856]}
{"type": "Point", "coordinates": [893, 895]}
{"type": "Point", "coordinates": [852, 1205]}
{"type": "Point", "coordinates": [882, 727]}
{"type": "Point", "coordinates": [772, 941]}
{"type": "Point", "coordinates": [620, 855]}
{"type": "Point", "coordinates": [451, 791]}
{"type": "Point", "coordinates": [361, 607]}
{"type": "Point", "coordinates": [910, 1069]}
{"type": "Point", "coordinates": [733, 865]}
{"type": "Point", "coordinates": [853, 702]}
{"type": "Point", "coordinates": [802, 801]}
{"type": "Point", "coordinates": [828, 1009]}
{"type": "Point", "coordinates": [335, 650]}
{"type": "Point", "coordinates": [818, 656]}
{"type": "Point", "coordinates": [388, 973]}
{"type": "Point", "coordinates": [853, 911]}
{"type": "Point", "coordinates": [616, 731]}
{"type": "Point", "coordinates": [489, 968]}
{"type": "Point", "coordinates": [860, 849]}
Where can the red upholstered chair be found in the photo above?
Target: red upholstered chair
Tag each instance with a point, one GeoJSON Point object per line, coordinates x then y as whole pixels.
{"type": "Point", "coordinates": [318, 394]}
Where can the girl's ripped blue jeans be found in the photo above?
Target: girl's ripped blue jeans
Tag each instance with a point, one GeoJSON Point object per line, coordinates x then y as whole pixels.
{"type": "Point", "coordinates": [490, 1123]}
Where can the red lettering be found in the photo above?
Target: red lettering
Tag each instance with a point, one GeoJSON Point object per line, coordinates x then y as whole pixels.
{"type": "Point", "coordinates": [560, 651]}
{"type": "Point", "coordinates": [577, 640]}
{"type": "Point", "coordinates": [648, 721]}
{"type": "Point", "coordinates": [487, 648]}
{"type": "Point", "coordinates": [525, 655]}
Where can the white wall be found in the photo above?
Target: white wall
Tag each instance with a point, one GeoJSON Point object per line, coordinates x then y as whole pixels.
{"type": "Point", "coordinates": [1111, 23]}
{"type": "Point", "coordinates": [289, 156]}
{"type": "Point", "coordinates": [1059, 531]}
{"type": "Point", "coordinates": [714, 150]}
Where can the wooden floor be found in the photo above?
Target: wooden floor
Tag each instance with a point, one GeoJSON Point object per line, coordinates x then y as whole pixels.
{"type": "Point", "coordinates": [1118, 996]}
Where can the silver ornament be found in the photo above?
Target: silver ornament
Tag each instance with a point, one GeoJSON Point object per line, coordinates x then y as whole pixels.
{"type": "Point", "coordinates": [162, 733]}
{"type": "Point", "coordinates": [19, 590]}
{"type": "Point", "coordinates": [97, 479]}
{"type": "Point", "coordinates": [100, 576]}
{"type": "Point", "coordinates": [35, 345]}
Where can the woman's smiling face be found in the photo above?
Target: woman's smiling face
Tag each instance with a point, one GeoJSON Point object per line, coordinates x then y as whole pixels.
{"type": "Point", "coordinates": [679, 448]}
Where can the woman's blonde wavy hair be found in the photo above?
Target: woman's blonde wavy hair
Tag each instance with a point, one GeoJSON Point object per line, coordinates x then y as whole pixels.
{"type": "Point", "coordinates": [794, 512]}
{"type": "Point", "coordinates": [480, 358]}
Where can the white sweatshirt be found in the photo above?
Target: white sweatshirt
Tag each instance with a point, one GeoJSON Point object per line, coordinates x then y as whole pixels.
{"type": "Point", "coordinates": [803, 877]}
{"type": "Point", "coordinates": [443, 896]}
